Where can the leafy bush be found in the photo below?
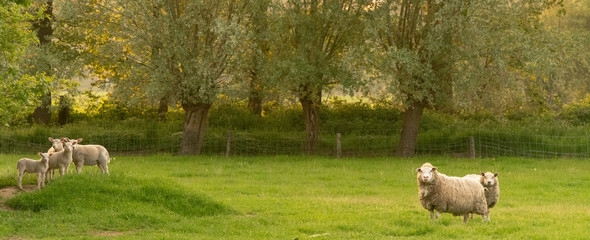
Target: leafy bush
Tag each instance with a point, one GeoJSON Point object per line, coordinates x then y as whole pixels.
{"type": "Point", "coordinates": [577, 114]}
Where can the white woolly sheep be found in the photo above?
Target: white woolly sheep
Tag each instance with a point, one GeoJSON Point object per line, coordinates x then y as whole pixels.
{"type": "Point", "coordinates": [61, 160]}
{"type": "Point", "coordinates": [27, 165]}
{"type": "Point", "coordinates": [441, 193]}
{"type": "Point", "coordinates": [56, 145]}
{"type": "Point", "coordinates": [90, 155]}
{"type": "Point", "coordinates": [491, 186]}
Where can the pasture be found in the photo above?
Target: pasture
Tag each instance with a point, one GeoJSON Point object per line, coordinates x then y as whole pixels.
{"type": "Point", "coordinates": [291, 197]}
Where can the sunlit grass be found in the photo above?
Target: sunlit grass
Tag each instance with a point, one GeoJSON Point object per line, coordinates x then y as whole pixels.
{"type": "Point", "coordinates": [287, 197]}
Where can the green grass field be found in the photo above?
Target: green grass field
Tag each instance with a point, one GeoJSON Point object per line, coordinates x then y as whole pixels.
{"type": "Point", "coordinates": [292, 197]}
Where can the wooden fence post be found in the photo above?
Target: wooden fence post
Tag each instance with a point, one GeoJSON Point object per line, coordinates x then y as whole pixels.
{"type": "Point", "coordinates": [228, 146]}
{"type": "Point", "coordinates": [338, 146]}
{"type": "Point", "coordinates": [471, 147]}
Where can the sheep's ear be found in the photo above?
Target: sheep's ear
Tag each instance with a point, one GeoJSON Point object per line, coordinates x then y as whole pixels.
{"type": "Point", "coordinates": [79, 140]}
{"type": "Point", "coordinates": [50, 154]}
{"type": "Point", "coordinates": [495, 174]}
{"type": "Point", "coordinates": [418, 169]}
{"type": "Point", "coordinates": [50, 139]}
{"type": "Point", "coordinates": [40, 154]}
{"type": "Point", "coordinates": [434, 169]}
{"type": "Point", "coordinates": [483, 174]}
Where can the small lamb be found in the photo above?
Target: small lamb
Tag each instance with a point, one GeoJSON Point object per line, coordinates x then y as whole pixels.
{"type": "Point", "coordinates": [90, 155]}
{"type": "Point", "coordinates": [26, 165]}
{"type": "Point", "coordinates": [491, 186]}
{"type": "Point", "coordinates": [61, 160]}
{"type": "Point", "coordinates": [459, 196]}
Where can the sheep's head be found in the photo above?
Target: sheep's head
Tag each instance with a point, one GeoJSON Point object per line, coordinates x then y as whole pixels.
{"type": "Point", "coordinates": [45, 156]}
{"type": "Point", "coordinates": [427, 173]}
{"type": "Point", "coordinates": [68, 146]}
{"type": "Point", "coordinates": [489, 179]}
{"type": "Point", "coordinates": [56, 144]}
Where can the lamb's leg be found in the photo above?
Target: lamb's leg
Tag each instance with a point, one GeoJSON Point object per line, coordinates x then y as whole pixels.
{"type": "Point", "coordinates": [61, 170]}
{"type": "Point", "coordinates": [79, 167]}
{"type": "Point", "coordinates": [437, 215]}
{"type": "Point", "coordinates": [20, 180]}
{"type": "Point", "coordinates": [465, 218]}
{"type": "Point", "coordinates": [106, 168]}
{"type": "Point", "coordinates": [39, 180]}
{"type": "Point", "coordinates": [431, 215]}
{"type": "Point", "coordinates": [44, 176]}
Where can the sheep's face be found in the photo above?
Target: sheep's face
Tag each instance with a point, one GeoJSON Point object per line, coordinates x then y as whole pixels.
{"type": "Point", "coordinates": [56, 144]}
{"type": "Point", "coordinates": [489, 179]}
{"type": "Point", "coordinates": [68, 146]}
{"type": "Point", "coordinates": [426, 173]}
{"type": "Point", "coordinates": [44, 156]}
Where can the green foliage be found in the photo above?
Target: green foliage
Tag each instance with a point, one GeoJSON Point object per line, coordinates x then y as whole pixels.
{"type": "Point", "coordinates": [577, 114]}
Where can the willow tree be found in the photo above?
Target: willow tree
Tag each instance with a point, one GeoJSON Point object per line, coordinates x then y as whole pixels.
{"type": "Point", "coordinates": [308, 52]}
{"type": "Point", "coordinates": [178, 47]}
{"type": "Point", "coordinates": [438, 53]}
{"type": "Point", "coordinates": [20, 91]}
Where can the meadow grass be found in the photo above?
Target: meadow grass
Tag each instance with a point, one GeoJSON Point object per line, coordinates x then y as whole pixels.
{"type": "Point", "coordinates": [292, 197]}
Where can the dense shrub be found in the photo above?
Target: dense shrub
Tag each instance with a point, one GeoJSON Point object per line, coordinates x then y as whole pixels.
{"type": "Point", "coordinates": [578, 113]}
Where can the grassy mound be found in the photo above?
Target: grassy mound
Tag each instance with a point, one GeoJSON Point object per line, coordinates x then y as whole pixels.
{"type": "Point", "coordinates": [116, 202]}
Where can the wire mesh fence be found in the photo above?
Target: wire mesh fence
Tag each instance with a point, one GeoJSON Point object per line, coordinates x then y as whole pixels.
{"type": "Point", "coordinates": [370, 143]}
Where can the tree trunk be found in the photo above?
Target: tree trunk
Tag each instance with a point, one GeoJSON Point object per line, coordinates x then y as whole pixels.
{"type": "Point", "coordinates": [42, 113]}
{"type": "Point", "coordinates": [63, 115]}
{"type": "Point", "coordinates": [255, 103]}
{"type": "Point", "coordinates": [410, 125]}
{"type": "Point", "coordinates": [195, 121]}
{"type": "Point", "coordinates": [163, 107]}
{"type": "Point", "coordinates": [311, 117]}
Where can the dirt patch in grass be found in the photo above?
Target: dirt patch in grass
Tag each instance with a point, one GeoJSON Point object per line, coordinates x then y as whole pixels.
{"type": "Point", "coordinates": [109, 233]}
{"type": "Point", "coordinates": [11, 191]}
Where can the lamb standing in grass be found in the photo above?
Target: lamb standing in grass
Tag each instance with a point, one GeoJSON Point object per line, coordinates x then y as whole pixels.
{"type": "Point", "coordinates": [90, 155]}
{"type": "Point", "coordinates": [491, 186]}
{"type": "Point", "coordinates": [26, 165]}
{"type": "Point", "coordinates": [61, 160]}
{"type": "Point", "coordinates": [459, 196]}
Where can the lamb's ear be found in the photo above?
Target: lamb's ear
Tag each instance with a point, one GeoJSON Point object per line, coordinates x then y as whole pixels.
{"type": "Point", "coordinates": [495, 174]}
{"type": "Point", "coordinates": [418, 169]}
{"type": "Point", "coordinates": [40, 154]}
{"type": "Point", "coordinates": [50, 139]}
{"type": "Point", "coordinates": [50, 154]}
{"type": "Point", "coordinates": [434, 169]}
{"type": "Point", "coordinates": [483, 174]}
{"type": "Point", "coordinates": [79, 140]}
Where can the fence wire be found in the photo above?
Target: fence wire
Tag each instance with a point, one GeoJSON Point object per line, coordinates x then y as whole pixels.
{"type": "Point", "coordinates": [370, 143]}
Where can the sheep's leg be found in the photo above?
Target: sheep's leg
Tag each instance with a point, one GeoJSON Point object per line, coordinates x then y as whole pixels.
{"type": "Point", "coordinates": [437, 215]}
{"type": "Point", "coordinates": [20, 180]}
{"type": "Point", "coordinates": [43, 177]}
{"type": "Point", "coordinates": [61, 171]}
{"type": "Point", "coordinates": [106, 168]}
{"type": "Point", "coordinates": [465, 218]}
{"type": "Point", "coordinates": [79, 167]}
{"type": "Point", "coordinates": [39, 180]}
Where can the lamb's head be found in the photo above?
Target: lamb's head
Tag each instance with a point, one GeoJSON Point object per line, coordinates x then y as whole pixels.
{"type": "Point", "coordinates": [45, 156]}
{"type": "Point", "coordinates": [427, 173]}
{"type": "Point", "coordinates": [68, 146]}
{"type": "Point", "coordinates": [56, 144]}
{"type": "Point", "coordinates": [74, 142]}
{"type": "Point", "coordinates": [489, 179]}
